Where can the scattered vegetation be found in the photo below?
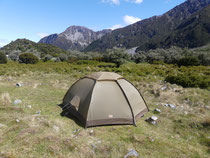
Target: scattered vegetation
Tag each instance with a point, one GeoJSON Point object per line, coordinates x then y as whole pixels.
{"type": "Point", "coordinates": [63, 57]}
{"type": "Point", "coordinates": [117, 56]}
{"type": "Point", "coordinates": [175, 55]}
{"type": "Point", "coordinates": [28, 58]}
{"type": "Point", "coordinates": [19, 46]}
{"type": "Point", "coordinates": [189, 61]}
{"type": "Point", "coordinates": [191, 76]}
{"type": "Point", "coordinates": [189, 80]}
{"type": "Point", "coordinates": [47, 58]}
{"type": "Point", "coordinates": [3, 58]}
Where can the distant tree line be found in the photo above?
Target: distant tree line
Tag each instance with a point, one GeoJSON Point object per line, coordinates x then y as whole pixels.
{"type": "Point", "coordinates": [175, 55]}
{"type": "Point", "coordinates": [119, 56]}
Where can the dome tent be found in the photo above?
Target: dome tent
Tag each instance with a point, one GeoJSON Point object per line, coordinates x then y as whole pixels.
{"type": "Point", "coordinates": [104, 98]}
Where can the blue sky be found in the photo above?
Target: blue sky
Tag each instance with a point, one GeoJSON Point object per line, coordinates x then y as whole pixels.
{"type": "Point", "coordinates": [33, 19]}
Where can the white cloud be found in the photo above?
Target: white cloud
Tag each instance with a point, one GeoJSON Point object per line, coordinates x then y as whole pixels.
{"type": "Point", "coordinates": [117, 2]}
{"type": "Point", "coordinates": [130, 19]}
{"type": "Point", "coordinates": [138, 1]}
{"type": "Point", "coordinates": [117, 26]}
{"type": "Point", "coordinates": [135, 1]}
{"type": "Point", "coordinates": [42, 35]}
{"type": "Point", "coordinates": [3, 42]}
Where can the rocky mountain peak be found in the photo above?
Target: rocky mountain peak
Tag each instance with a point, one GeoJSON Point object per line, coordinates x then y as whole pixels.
{"type": "Point", "coordinates": [74, 38]}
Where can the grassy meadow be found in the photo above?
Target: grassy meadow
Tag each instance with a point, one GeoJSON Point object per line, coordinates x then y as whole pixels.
{"type": "Point", "coordinates": [34, 128]}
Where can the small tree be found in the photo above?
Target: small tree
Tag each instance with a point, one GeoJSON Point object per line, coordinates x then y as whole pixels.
{"type": "Point", "coordinates": [47, 57]}
{"type": "Point", "coordinates": [3, 58]}
{"type": "Point", "coordinates": [28, 58]}
{"type": "Point", "coordinates": [63, 57]}
{"type": "Point", "coordinates": [139, 57]}
{"type": "Point", "coordinates": [117, 56]}
{"type": "Point", "coordinates": [72, 59]}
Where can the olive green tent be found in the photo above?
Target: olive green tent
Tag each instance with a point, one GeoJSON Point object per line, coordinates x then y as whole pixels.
{"type": "Point", "coordinates": [104, 98]}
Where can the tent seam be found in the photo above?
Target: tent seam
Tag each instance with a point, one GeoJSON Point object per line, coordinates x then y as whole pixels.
{"type": "Point", "coordinates": [139, 93]}
{"type": "Point", "coordinates": [134, 122]}
{"type": "Point", "coordinates": [90, 100]}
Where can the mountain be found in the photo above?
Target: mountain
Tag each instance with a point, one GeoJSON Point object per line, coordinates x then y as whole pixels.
{"type": "Point", "coordinates": [191, 33]}
{"type": "Point", "coordinates": [194, 32]}
{"type": "Point", "coordinates": [74, 38]}
{"type": "Point", "coordinates": [24, 45]}
{"type": "Point", "coordinates": [146, 32]}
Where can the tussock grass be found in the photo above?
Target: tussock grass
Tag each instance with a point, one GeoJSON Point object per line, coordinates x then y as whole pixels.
{"type": "Point", "coordinates": [5, 99]}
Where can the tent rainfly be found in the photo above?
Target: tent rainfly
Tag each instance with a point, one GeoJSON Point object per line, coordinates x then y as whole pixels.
{"type": "Point", "coordinates": [104, 98]}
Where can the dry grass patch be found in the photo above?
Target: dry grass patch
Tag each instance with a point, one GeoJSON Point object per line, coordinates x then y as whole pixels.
{"type": "Point", "coordinates": [206, 122]}
{"type": "Point", "coordinates": [5, 99]}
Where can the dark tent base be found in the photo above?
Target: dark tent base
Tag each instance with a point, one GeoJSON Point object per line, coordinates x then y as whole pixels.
{"type": "Point", "coordinates": [71, 113]}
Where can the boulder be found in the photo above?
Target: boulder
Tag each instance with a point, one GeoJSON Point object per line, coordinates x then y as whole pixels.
{"type": "Point", "coordinates": [157, 110]}
{"type": "Point", "coordinates": [2, 125]}
{"type": "Point", "coordinates": [172, 106]}
{"type": "Point", "coordinates": [17, 101]}
{"type": "Point", "coordinates": [164, 88]}
{"type": "Point", "coordinates": [76, 130]}
{"type": "Point", "coordinates": [29, 106]}
{"type": "Point", "coordinates": [131, 153]}
{"type": "Point", "coordinates": [152, 120]}
{"type": "Point", "coordinates": [91, 132]}
{"type": "Point", "coordinates": [38, 112]}
{"type": "Point", "coordinates": [56, 128]}
{"type": "Point", "coordinates": [19, 85]}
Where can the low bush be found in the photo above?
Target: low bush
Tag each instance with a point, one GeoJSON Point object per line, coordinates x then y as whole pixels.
{"type": "Point", "coordinates": [87, 62]}
{"type": "Point", "coordinates": [28, 58]}
{"type": "Point", "coordinates": [47, 58]}
{"type": "Point", "coordinates": [117, 56]}
{"type": "Point", "coordinates": [72, 59]}
{"type": "Point", "coordinates": [206, 122]}
{"type": "Point", "coordinates": [63, 57]}
{"type": "Point", "coordinates": [188, 61]}
{"type": "Point", "coordinates": [174, 55]}
{"type": "Point", "coordinates": [3, 58]}
{"type": "Point", "coordinates": [106, 65]}
{"type": "Point", "coordinates": [189, 80]}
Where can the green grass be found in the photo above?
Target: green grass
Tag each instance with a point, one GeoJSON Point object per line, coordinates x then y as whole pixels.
{"type": "Point", "coordinates": [181, 132]}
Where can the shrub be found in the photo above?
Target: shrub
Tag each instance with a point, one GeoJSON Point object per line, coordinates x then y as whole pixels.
{"type": "Point", "coordinates": [158, 62]}
{"type": "Point", "coordinates": [3, 58]}
{"type": "Point", "coordinates": [14, 56]}
{"type": "Point", "coordinates": [189, 80]}
{"type": "Point", "coordinates": [204, 59]}
{"type": "Point", "coordinates": [189, 61]}
{"type": "Point", "coordinates": [57, 59]}
{"type": "Point", "coordinates": [63, 57]}
{"type": "Point", "coordinates": [139, 57]}
{"type": "Point", "coordinates": [47, 58]}
{"type": "Point", "coordinates": [72, 59]}
{"type": "Point", "coordinates": [28, 58]}
{"type": "Point", "coordinates": [87, 62]}
{"type": "Point", "coordinates": [206, 122]}
{"type": "Point", "coordinates": [117, 56]}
